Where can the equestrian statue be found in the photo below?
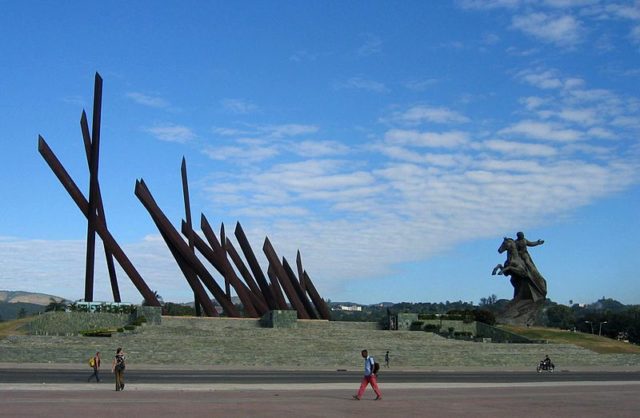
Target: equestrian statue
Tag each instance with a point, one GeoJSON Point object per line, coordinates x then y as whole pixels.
{"type": "Point", "coordinates": [528, 283]}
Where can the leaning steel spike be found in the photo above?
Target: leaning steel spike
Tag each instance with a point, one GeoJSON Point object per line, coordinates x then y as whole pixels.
{"type": "Point", "coordinates": [108, 240]}
{"type": "Point", "coordinates": [143, 193]}
{"type": "Point", "coordinates": [86, 136]}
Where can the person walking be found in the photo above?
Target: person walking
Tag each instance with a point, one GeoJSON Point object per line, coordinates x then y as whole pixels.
{"type": "Point", "coordinates": [118, 367]}
{"type": "Point", "coordinates": [369, 377]}
{"type": "Point", "coordinates": [386, 359]}
{"type": "Point", "coordinates": [95, 363]}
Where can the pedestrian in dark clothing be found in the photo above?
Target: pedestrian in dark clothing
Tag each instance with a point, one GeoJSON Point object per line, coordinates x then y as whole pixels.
{"type": "Point", "coordinates": [95, 363]}
{"type": "Point", "coordinates": [386, 359]}
{"type": "Point", "coordinates": [118, 367]}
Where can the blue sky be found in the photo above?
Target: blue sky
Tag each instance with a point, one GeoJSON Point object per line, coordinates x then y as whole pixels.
{"type": "Point", "coordinates": [393, 143]}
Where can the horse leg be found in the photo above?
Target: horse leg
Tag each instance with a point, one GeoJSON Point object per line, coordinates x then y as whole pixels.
{"type": "Point", "coordinates": [499, 269]}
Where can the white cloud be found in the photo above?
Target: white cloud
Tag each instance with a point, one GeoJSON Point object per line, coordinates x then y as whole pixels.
{"type": "Point", "coordinates": [635, 34]}
{"type": "Point", "coordinates": [542, 130]}
{"type": "Point", "coordinates": [285, 130]}
{"type": "Point", "coordinates": [489, 4]}
{"type": "Point", "coordinates": [426, 139]}
{"type": "Point", "coordinates": [371, 45]}
{"type": "Point", "coordinates": [171, 133]}
{"type": "Point", "coordinates": [533, 102]}
{"type": "Point", "coordinates": [313, 149]}
{"type": "Point", "coordinates": [545, 79]}
{"type": "Point", "coordinates": [246, 153]}
{"type": "Point", "coordinates": [579, 116]}
{"type": "Point", "coordinates": [303, 55]}
{"type": "Point", "coordinates": [559, 30]}
{"type": "Point", "coordinates": [359, 83]}
{"type": "Point", "coordinates": [148, 100]}
{"type": "Point", "coordinates": [421, 114]}
{"type": "Point", "coordinates": [421, 84]}
{"type": "Point", "coordinates": [520, 149]}
{"type": "Point", "coordinates": [239, 106]}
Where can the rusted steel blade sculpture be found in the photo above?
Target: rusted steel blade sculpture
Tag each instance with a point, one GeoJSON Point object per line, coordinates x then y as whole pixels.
{"type": "Point", "coordinates": [182, 248]}
{"type": "Point", "coordinates": [187, 211]}
{"type": "Point", "coordinates": [300, 271]}
{"type": "Point", "coordinates": [223, 238]}
{"type": "Point", "coordinates": [249, 285]}
{"type": "Point", "coordinates": [108, 240]}
{"type": "Point", "coordinates": [93, 189]}
{"type": "Point", "coordinates": [256, 293]}
{"type": "Point", "coordinates": [318, 302]}
{"type": "Point", "coordinates": [284, 280]}
{"type": "Point", "coordinates": [301, 293]}
{"type": "Point", "coordinates": [200, 294]}
{"type": "Point", "coordinates": [244, 271]}
{"type": "Point", "coordinates": [216, 261]}
{"type": "Point", "coordinates": [255, 267]}
{"type": "Point", "coordinates": [241, 290]}
{"type": "Point", "coordinates": [276, 289]}
{"type": "Point", "coordinates": [113, 278]}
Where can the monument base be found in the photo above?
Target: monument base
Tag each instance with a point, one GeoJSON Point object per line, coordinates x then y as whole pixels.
{"type": "Point", "coordinates": [522, 313]}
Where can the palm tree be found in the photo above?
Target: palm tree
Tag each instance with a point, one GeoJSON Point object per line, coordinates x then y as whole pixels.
{"type": "Point", "coordinates": [55, 305]}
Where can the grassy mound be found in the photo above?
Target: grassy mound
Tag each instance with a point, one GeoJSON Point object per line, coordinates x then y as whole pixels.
{"type": "Point", "coordinates": [601, 345]}
{"type": "Point", "coordinates": [14, 327]}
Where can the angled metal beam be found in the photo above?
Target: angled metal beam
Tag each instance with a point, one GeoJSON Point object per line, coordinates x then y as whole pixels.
{"type": "Point", "coordinates": [244, 271]}
{"type": "Point", "coordinates": [201, 297]}
{"type": "Point", "coordinates": [108, 240]}
{"type": "Point", "coordinates": [144, 195]}
{"type": "Point", "coordinates": [223, 238]}
{"type": "Point", "coordinates": [255, 266]}
{"type": "Point", "coordinates": [229, 273]}
{"type": "Point", "coordinates": [300, 271]}
{"type": "Point", "coordinates": [86, 136]}
{"type": "Point", "coordinates": [187, 211]}
{"type": "Point", "coordinates": [276, 289]}
{"type": "Point", "coordinates": [301, 293]}
{"type": "Point", "coordinates": [321, 306]}
{"type": "Point", "coordinates": [217, 263]}
{"type": "Point", "coordinates": [287, 286]}
{"type": "Point", "coordinates": [318, 302]}
{"type": "Point", "coordinates": [93, 189]}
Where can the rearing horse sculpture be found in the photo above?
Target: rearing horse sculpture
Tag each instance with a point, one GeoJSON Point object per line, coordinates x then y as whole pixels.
{"type": "Point", "coordinates": [524, 286]}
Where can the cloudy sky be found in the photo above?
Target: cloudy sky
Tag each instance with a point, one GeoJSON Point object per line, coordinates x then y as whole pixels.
{"type": "Point", "coordinates": [393, 143]}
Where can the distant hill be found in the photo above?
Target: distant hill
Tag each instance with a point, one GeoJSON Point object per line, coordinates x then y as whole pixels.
{"type": "Point", "coordinates": [8, 296]}
{"type": "Point", "coordinates": [13, 302]}
{"type": "Point", "coordinates": [9, 311]}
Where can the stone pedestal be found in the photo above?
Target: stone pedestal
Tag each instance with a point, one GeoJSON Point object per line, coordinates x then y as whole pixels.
{"type": "Point", "coordinates": [522, 313]}
{"type": "Point", "coordinates": [279, 319]}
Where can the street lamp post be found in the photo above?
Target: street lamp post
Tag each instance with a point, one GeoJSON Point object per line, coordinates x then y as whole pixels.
{"type": "Point", "coordinates": [600, 330]}
{"type": "Point", "coordinates": [590, 323]}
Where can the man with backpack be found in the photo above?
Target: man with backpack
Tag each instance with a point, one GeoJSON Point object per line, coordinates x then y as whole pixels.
{"type": "Point", "coordinates": [94, 362]}
{"type": "Point", "coordinates": [370, 376]}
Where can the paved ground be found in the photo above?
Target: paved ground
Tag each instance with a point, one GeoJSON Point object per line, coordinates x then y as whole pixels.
{"type": "Point", "coordinates": [587, 399]}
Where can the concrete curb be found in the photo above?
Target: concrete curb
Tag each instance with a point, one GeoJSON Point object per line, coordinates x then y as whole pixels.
{"type": "Point", "coordinates": [214, 387]}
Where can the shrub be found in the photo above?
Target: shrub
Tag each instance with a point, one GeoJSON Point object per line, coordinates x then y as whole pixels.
{"type": "Point", "coordinates": [416, 325]}
{"type": "Point", "coordinates": [484, 316]}
{"type": "Point", "coordinates": [431, 328]}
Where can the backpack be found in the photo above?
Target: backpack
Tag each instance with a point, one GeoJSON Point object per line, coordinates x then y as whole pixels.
{"type": "Point", "coordinates": [120, 363]}
{"type": "Point", "coordinates": [92, 362]}
{"type": "Point", "coordinates": [376, 367]}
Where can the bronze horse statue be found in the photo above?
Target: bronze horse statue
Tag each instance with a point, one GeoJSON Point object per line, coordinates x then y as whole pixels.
{"type": "Point", "coordinates": [524, 285]}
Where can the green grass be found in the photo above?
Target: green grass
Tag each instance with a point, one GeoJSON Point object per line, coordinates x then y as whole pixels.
{"type": "Point", "coordinates": [601, 345]}
{"type": "Point", "coordinates": [13, 327]}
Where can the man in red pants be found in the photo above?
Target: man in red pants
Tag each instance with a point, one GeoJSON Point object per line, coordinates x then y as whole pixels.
{"type": "Point", "coordinates": [369, 377]}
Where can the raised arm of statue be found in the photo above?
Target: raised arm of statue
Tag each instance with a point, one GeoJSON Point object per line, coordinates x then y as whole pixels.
{"type": "Point", "coordinates": [534, 243]}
